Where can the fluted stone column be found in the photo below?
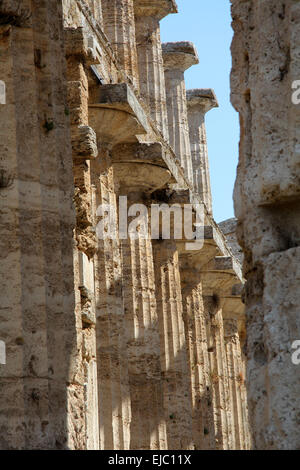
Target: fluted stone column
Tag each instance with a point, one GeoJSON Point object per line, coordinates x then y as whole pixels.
{"type": "Point", "coordinates": [118, 23]}
{"type": "Point", "coordinates": [219, 279]}
{"type": "Point", "coordinates": [236, 382]}
{"type": "Point", "coordinates": [174, 358]}
{"type": "Point", "coordinates": [113, 388]}
{"type": "Point", "coordinates": [38, 407]}
{"type": "Point", "coordinates": [112, 125]}
{"type": "Point", "coordinates": [96, 9]}
{"type": "Point", "coordinates": [197, 341]}
{"type": "Point", "coordinates": [233, 311]}
{"type": "Point", "coordinates": [136, 177]}
{"type": "Point", "coordinates": [150, 62]}
{"type": "Point", "coordinates": [199, 103]}
{"type": "Point", "coordinates": [178, 57]}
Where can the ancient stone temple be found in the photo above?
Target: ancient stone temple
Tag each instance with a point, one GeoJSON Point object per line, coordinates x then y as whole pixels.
{"type": "Point", "coordinates": [112, 338]}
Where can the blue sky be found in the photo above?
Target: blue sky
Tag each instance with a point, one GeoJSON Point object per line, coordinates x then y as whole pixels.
{"type": "Point", "coordinates": [208, 25]}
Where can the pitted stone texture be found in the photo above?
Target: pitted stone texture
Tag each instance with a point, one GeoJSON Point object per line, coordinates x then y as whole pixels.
{"type": "Point", "coordinates": [266, 61]}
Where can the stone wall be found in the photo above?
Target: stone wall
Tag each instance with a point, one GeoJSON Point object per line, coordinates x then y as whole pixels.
{"type": "Point", "coordinates": [266, 62]}
{"type": "Point", "coordinates": [114, 340]}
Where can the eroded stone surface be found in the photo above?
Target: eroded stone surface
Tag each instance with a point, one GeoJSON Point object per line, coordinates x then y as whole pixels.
{"type": "Point", "coordinates": [265, 53]}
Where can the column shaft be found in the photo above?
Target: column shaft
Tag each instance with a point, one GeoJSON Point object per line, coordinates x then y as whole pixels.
{"type": "Point", "coordinates": [199, 103]}
{"type": "Point", "coordinates": [220, 383]}
{"type": "Point", "coordinates": [150, 61]}
{"type": "Point", "coordinates": [174, 360]}
{"type": "Point", "coordinates": [236, 380]}
{"type": "Point", "coordinates": [113, 382]}
{"type": "Point", "coordinates": [119, 26]}
{"type": "Point", "coordinates": [197, 344]}
{"type": "Point", "coordinates": [147, 426]}
{"type": "Point", "coordinates": [37, 281]}
{"type": "Point", "coordinates": [178, 57]}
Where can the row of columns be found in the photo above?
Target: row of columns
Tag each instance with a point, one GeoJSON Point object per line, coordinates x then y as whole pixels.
{"type": "Point", "coordinates": [167, 369]}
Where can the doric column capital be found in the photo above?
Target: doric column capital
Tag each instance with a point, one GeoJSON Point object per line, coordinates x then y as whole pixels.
{"type": "Point", "coordinates": [201, 100]}
{"type": "Point", "coordinates": [139, 169]}
{"type": "Point", "coordinates": [155, 8]}
{"type": "Point", "coordinates": [179, 55]}
{"type": "Point", "coordinates": [117, 116]}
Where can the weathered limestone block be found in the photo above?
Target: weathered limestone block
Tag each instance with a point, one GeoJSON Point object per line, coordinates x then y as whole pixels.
{"type": "Point", "coordinates": [84, 147]}
{"type": "Point", "coordinates": [275, 150]}
{"type": "Point", "coordinates": [229, 228]}
{"type": "Point", "coordinates": [84, 143]}
{"type": "Point", "coordinates": [273, 379]}
{"type": "Point", "coordinates": [148, 14]}
{"type": "Point", "coordinates": [265, 53]}
{"type": "Point", "coordinates": [78, 45]}
{"type": "Point", "coordinates": [119, 26]}
{"type": "Point", "coordinates": [178, 57]}
{"type": "Point", "coordinates": [199, 103]}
